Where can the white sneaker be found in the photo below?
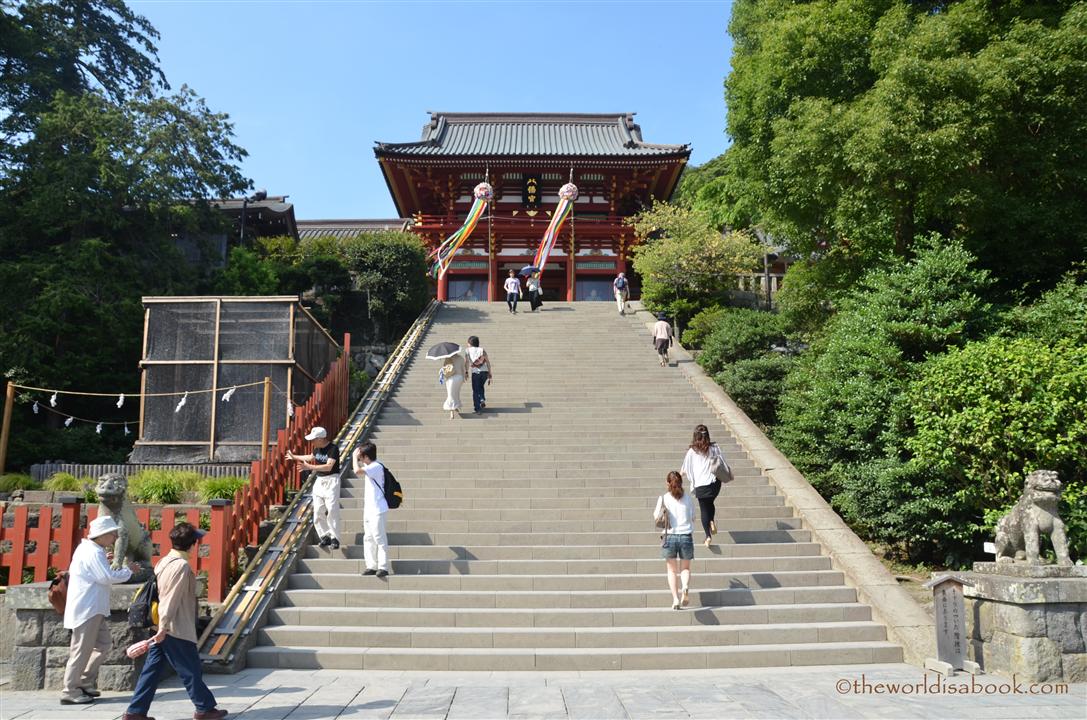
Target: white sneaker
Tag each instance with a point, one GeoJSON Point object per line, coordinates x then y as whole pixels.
{"type": "Point", "coordinates": [81, 699]}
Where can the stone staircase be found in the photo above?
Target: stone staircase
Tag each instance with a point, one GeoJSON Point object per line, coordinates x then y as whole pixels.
{"type": "Point", "coordinates": [526, 541]}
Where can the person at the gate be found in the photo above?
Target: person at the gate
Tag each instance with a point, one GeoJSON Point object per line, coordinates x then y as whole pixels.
{"type": "Point", "coordinates": [325, 461]}
{"type": "Point", "coordinates": [621, 289]}
{"type": "Point", "coordinates": [513, 291]}
{"type": "Point", "coordinates": [375, 540]}
{"type": "Point", "coordinates": [86, 612]}
{"type": "Point", "coordinates": [175, 642]}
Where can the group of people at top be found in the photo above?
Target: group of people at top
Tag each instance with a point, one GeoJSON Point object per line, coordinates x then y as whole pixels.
{"type": "Point", "coordinates": [512, 286]}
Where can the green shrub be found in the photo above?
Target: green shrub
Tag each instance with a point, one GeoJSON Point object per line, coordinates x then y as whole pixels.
{"type": "Point", "coordinates": [156, 487]}
{"type": "Point", "coordinates": [17, 481]}
{"type": "Point", "coordinates": [700, 327]}
{"type": "Point", "coordinates": [1060, 314]}
{"type": "Point", "coordinates": [836, 407]}
{"type": "Point", "coordinates": [986, 415]}
{"type": "Point", "coordinates": [221, 488]}
{"type": "Point", "coordinates": [66, 482]}
{"type": "Point", "coordinates": [756, 385]}
{"type": "Point", "coordinates": [740, 334]}
{"type": "Point", "coordinates": [360, 383]}
{"type": "Point", "coordinates": [1074, 513]}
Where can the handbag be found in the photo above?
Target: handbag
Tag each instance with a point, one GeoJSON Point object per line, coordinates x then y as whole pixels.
{"type": "Point", "coordinates": [721, 470]}
{"type": "Point", "coordinates": [661, 521]}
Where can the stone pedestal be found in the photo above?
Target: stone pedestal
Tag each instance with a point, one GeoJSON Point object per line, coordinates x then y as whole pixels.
{"type": "Point", "coordinates": [41, 642]}
{"type": "Point", "coordinates": [1030, 621]}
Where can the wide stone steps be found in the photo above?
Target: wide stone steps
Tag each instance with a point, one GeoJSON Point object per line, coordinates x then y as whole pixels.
{"type": "Point", "coordinates": [561, 598]}
{"type": "Point", "coordinates": [581, 659]}
{"type": "Point", "coordinates": [567, 552]}
{"type": "Point", "coordinates": [725, 537]}
{"type": "Point", "coordinates": [658, 617]}
{"type": "Point", "coordinates": [526, 541]}
{"type": "Point", "coordinates": [598, 582]}
{"type": "Point", "coordinates": [317, 566]}
{"type": "Point", "coordinates": [350, 636]}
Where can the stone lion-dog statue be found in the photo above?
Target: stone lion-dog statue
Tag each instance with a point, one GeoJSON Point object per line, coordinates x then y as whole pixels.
{"type": "Point", "coordinates": [133, 542]}
{"type": "Point", "coordinates": [1018, 533]}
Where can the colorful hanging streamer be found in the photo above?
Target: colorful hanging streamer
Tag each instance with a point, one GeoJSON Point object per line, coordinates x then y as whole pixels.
{"type": "Point", "coordinates": [565, 208]}
{"type": "Point", "coordinates": [443, 254]}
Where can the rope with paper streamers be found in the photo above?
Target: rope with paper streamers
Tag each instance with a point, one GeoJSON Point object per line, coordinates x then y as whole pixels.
{"type": "Point", "coordinates": [227, 395]}
{"type": "Point", "coordinates": [565, 208]}
{"type": "Point", "coordinates": [443, 254]}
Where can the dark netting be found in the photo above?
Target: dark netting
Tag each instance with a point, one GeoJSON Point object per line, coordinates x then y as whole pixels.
{"type": "Point", "coordinates": [164, 422]}
{"type": "Point", "coordinates": [239, 420]}
{"type": "Point", "coordinates": [255, 331]}
{"type": "Point", "coordinates": [313, 351]}
{"type": "Point", "coordinates": [181, 331]}
{"type": "Point", "coordinates": [301, 388]}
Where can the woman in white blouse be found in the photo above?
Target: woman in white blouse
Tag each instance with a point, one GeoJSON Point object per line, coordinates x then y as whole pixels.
{"type": "Point", "coordinates": [454, 374]}
{"type": "Point", "coordinates": [698, 467]}
{"type": "Point", "coordinates": [677, 545]}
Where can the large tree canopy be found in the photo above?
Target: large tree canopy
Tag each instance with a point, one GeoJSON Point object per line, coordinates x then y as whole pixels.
{"type": "Point", "coordinates": [859, 125]}
{"type": "Point", "coordinates": [70, 46]}
{"type": "Point", "coordinates": [100, 170]}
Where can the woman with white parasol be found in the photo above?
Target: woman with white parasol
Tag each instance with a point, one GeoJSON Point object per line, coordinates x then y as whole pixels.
{"type": "Point", "coordinates": [453, 374]}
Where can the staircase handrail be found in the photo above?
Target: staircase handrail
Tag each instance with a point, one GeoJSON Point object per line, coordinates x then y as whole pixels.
{"type": "Point", "coordinates": [251, 595]}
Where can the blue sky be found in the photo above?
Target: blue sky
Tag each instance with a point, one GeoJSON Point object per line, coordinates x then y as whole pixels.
{"type": "Point", "coordinates": [312, 85]}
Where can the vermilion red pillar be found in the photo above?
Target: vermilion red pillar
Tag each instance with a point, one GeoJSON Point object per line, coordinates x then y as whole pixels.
{"type": "Point", "coordinates": [443, 288]}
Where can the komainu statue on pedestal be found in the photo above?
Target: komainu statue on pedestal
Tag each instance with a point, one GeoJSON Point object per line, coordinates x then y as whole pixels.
{"type": "Point", "coordinates": [133, 542]}
{"type": "Point", "coordinates": [1018, 532]}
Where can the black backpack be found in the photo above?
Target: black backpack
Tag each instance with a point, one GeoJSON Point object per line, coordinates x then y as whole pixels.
{"type": "Point", "coordinates": [394, 494]}
{"type": "Point", "coordinates": [144, 610]}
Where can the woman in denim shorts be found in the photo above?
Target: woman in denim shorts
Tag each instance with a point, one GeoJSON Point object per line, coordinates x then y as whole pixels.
{"type": "Point", "coordinates": [677, 545]}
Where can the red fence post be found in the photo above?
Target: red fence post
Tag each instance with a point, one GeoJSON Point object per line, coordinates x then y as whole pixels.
{"type": "Point", "coordinates": [220, 556]}
{"type": "Point", "coordinates": [17, 556]}
{"type": "Point", "coordinates": [39, 559]}
{"type": "Point", "coordinates": [69, 533]}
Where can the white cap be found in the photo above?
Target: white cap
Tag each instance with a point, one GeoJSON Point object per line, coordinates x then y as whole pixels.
{"type": "Point", "coordinates": [102, 526]}
{"type": "Point", "coordinates": [317, 433]}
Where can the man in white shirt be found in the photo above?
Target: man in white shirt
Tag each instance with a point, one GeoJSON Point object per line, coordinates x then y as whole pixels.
{"type": "Point", "coordinates": [375, 541]}
{"type": "Point", "coordinates": [482, 373]}
{"type": "Point", "coordinates": [512, 287]}
{"type": "Point", "coordinates": [87, 609]}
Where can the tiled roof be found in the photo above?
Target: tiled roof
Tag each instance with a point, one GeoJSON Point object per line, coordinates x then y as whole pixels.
{"type": "Point", "coordinates": [347, 228]}
{"type": "Point", "coordinates": [531, 134]}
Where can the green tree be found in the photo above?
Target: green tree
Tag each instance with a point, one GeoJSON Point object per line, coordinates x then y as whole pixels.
{"type": "Point", "coordinates": [390, 270]}
{"type": "Point", "coordinates": [71, 47]}
{"type": "Point", "coordinates": [859, 125]}
{"type": "Point", "coordinates": [685, 263]}
{"type": "Point", "coordinates": [836, 409]}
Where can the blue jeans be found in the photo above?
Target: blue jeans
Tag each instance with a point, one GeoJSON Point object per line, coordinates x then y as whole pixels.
{"type": "Point", "coordinates": [184, 657]}
{"type": "Point", "coordinates": [479, 394]}
{"type": "Point", "coordinates": [511, 301]}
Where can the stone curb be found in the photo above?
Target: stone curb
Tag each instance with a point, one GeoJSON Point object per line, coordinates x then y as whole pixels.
{"type": "Point", "coordinates": [907, 623]}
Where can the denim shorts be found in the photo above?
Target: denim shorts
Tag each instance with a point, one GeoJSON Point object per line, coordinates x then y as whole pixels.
{"type": "Point", "coordinates": [677, 546]}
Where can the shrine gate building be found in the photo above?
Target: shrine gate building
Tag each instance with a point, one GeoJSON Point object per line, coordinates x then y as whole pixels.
{"type": "Point", "coordinates": [527, 157]}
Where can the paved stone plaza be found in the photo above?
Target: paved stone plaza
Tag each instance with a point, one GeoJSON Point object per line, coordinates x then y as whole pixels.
{"type": "Point", "coordinates": [260, 694]}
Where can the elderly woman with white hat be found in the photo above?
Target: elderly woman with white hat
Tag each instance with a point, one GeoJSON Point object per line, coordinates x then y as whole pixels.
{"type": "Point", "coordinates": [87, 608]}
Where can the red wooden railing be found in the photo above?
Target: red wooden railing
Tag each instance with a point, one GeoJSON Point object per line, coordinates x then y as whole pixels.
{"type": "Point", "coordinates": [271, 478]}
{"type": "Point", "coordinates": [234, 525]}
{"type": "Point", "coordinates": [45, 546]}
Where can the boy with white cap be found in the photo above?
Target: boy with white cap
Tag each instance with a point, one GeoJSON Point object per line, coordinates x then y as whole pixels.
{"type": "Point", "coordinates": [87, 607]}
{"type": "Point", "coordinates": [325, 460]}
